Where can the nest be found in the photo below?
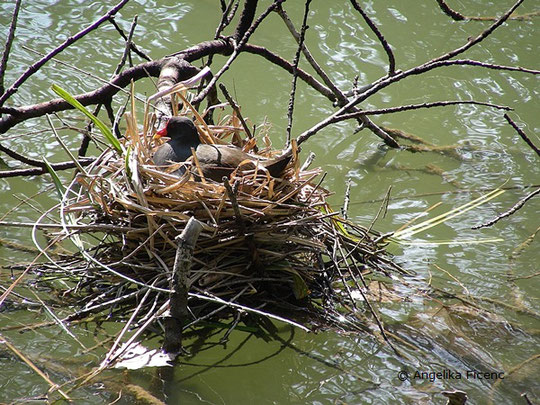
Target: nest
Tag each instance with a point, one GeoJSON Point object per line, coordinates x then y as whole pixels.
{"type": "Point", "coordinates": [268, 245]}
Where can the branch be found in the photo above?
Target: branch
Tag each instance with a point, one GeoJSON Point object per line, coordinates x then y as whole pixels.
{"type": "Point", "coordinates": [482, 36]}
{"type": "Point", "coordinates": [246, 18]}
{"type": "Point", "coordinates": [9, 42]}
{"type": "Point", "coordinates": [457, 16]}
{"type": "Point", "coordinates": [511, 211]}
{"type": "Point", "coordinates": [307, 54]}
{"type": "Point", "coordinates": [380, 36]}
{"type": "Point", "coordinates": [133, 47]}
{"type": "Point", "coordinates": [285, 64]}
{"type": "Point", "coordinates": [470, 62]}
{"type": "Point", "coordinates": [43, 170]}
{"type": "Point", "coordinates": [227, 15]}
{"type": "Point", "coordinates": [36, 66]}
{"type": "Point", "coordinates": [386, 81]}
{"type": "Point", "coordinates": [449, 12]}
{"type": "Point", "coordinates": [237, 48]}
{"type": "Point", "coordinates": [99, 95]}
{"type": "Point", "coordinates": [416, 107]}
{"type": "Point", "coordinates": [522, 134]}
{"type": "Point", "coordinates": [290, 108]}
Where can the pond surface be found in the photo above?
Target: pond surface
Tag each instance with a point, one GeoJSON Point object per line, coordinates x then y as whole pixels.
{"type": "Point", "coordinates": [497, 332]}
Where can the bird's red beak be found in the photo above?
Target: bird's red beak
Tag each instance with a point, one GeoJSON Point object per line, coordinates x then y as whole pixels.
{"type": "Point", "coordinates": [161, 132]}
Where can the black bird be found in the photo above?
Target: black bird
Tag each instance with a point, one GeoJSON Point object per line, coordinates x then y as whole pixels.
{"type": "Point", "coordinates": [215, 161]}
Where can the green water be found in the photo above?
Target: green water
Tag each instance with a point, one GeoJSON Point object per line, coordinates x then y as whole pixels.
{"type": "Point", "coordinates": [326, 367]}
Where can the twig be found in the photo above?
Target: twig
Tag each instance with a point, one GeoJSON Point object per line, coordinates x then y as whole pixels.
{"type": "Point", "coordinates": [236, 109]}
{"type": "Point", "coordinates": [483, 35]}
{"type": "Point", "coordinates": [237, 48]}
{"type": "Point", "coordinates": [347, 200]}
{"type": "Point", "coordinates": [416, 107]}
{"type": "Point", "coordinates": [9, 42]}
{"type": "Point", "coordinates": [380, 36]}
{"type": "Point", "coordinates": [36, 66]}
{"type": "Point", "coordinates": [457, 16]}
{"type": "Point", "coordinates": [227, 14]}
{"type": "Point", "coordinates": [43, 170]}
{"type": "Point", "coordinates": [449, 12]}
{"type": "Point", "coordinates": [209, 297]}
{"type": "Point", "coordinates": [333, 93]}
{"type": "Point", "coordinates": [132, 45]}
{"type": "Point", "coordinates": [290, 108]}
{"type": "Point", "coordinates": [470, 62]}
{"type": "Point", "coordinates": [382, 208]}
{"type": "Point", "coordinates": [386, 81]}
{"type": "Point", "coordinates": [522, 134]}
{"type": "Point", "coordinates": [178, 307]}
{"type": "Point", "coordinates": [307, 54]}
{"type": "Point", "coordinates": [126, 48]}
{"type": "Point", "coordinates": [511, 211]}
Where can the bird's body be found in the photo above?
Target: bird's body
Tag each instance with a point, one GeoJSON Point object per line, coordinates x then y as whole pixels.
{"type": "Point", "coordinates": [215, 161]}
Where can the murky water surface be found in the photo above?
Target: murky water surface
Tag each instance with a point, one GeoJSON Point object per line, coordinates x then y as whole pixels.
{"type": "Point", "coordinates": [326, 367]}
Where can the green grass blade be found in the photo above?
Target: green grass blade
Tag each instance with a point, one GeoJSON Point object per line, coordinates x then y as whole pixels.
{"type": "Point", "coordinates": [60, 189]}
{"type": "Point", "coordinates": [111, 139]}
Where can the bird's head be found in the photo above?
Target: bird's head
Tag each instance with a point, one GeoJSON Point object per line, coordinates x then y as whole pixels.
{"type": "Point", "coordinates": [181, 128]}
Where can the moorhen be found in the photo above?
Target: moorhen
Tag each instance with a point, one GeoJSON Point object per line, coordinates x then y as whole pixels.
{"type": "Point", "coordinates": [215, 161]}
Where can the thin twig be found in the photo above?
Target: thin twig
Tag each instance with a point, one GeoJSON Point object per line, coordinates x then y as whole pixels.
{"type": "Point", "coordinates": [237, 49]}
{"type": "Point", "coordinates": [125, 37]}
{"type": "Point", "coordinates": [522, 134]}
{"type": "Point", "coordinates": [386, 81]}
{"type": "Point", "coordinates": [511, 211]}
{"type": "Point", "coordinates": [380, 36]}
{"type": "Point", "coordinates": [290, 108]}
{"type": "Point", "coordinates": [236, 109]}
{"type": "Point", "coordinates": [9, 42]}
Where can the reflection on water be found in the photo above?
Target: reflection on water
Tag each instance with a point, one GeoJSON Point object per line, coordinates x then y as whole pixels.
{"type": "Point", "coordinates": [492, 333]}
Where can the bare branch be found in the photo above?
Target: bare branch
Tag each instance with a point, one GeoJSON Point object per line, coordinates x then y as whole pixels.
{"type": "Point", "coordinates": [511, 211]}
{"type": "Point", "coordinates": [43, 170]}
{"type": "Point", "coordinates": [522, 134]}
{"type": "Point", "coordinates": [285, 64]}
{"type": "Point", "coordinates": [409, 107]}
{"type": "Point", "coordinates": [133, 47]}
{"type": "Point", "coordinates": [36, 66]}
{"type": "Point", "coordinates": [99, 95]}
{"type": "Point", "coordinates": [386, 81]}
{"type": "Point", "coordinates": [380, 36]}
{"type": "Point", "coordinates": [337, 94]}
{"type": "Point", "coordinates": [290, 108]}
{"type": "Point", "coordinates": [236, 109]}
{"type": "Point", "coordinates": [470, 62]}
{"type": "Point", "coordinates": [457, 16]}
{"type": "Point", "coordinates": [325, 78]}
{"type": "Point", "coordinates": [237, 48]}
{"type": "Point", "coordinates": [246, 18]}
{"type": "Point", "coordinates": [449, 12]}
{"type": "Point", "coordinates": [9, 42]}
{"type": "Point", "coordinates": [126, 48]}
{"type": "Point", "coordinates": [484, 34]}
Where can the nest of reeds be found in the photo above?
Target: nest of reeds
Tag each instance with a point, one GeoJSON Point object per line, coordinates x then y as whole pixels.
{"type": "Point", "coordinates": [268, 245]}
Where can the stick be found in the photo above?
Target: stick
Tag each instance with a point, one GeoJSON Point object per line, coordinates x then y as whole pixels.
{"type": "Point", "coordinates": [522, 134]}
{"type": "Point", "coordinates": [179, 313]}
{"type": "Point", "coordinates": [9, 42]}
{"type": "Point", "coordinates": [290, 108]}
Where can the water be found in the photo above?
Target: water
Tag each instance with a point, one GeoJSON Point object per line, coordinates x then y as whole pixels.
{"type": "Point", "coordinates": [325, 367]}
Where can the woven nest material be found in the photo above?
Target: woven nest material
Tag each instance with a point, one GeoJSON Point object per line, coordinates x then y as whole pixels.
{"type": "Point", "coordinates": [271, 243]}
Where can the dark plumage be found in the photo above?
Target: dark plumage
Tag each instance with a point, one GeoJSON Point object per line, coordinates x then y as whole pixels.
{"type": "Point", "coordinates": [215, 161]}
